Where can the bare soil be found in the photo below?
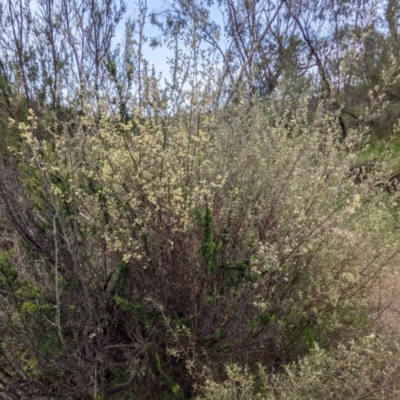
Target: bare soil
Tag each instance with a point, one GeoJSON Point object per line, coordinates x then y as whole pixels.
{"type": "Point", "coordinates": [388, 298]}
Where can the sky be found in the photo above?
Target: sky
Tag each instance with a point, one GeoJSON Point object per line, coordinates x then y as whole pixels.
{"type": "Point", "coordinates": [156, 57]}
{"type": "Point", "coordinates": [159, 56]}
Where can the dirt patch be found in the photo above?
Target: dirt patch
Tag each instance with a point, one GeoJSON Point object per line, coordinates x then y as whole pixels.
{"type": "Point", "coordinates": [388, 298]}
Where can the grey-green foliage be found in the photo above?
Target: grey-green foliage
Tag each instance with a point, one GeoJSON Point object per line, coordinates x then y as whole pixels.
{"type": "Point", "coordinates": [366, 368]}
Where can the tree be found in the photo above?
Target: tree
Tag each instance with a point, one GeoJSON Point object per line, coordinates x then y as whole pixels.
{"type": "Point", "coordinates": [260, 43]}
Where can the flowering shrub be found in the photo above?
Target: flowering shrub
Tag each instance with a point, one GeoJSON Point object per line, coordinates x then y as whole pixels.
{"type": "Point", "coordinates": [166, 245]}
{"type": "Point", "coordinates": [367, 368]}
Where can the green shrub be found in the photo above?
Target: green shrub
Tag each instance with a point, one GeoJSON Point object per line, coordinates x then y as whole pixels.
{"type": "Point", "coordinates": [367, 368]}
{"type": "Point", "coordinates": [172, 246]}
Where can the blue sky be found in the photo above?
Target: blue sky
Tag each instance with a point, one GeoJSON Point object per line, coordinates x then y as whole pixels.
{"type": "Point", "coordinates": [156, 57]}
